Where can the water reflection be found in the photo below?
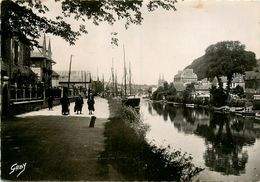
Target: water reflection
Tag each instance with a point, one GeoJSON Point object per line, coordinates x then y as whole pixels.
{"type": "Point", "coordinates": [225, 137]}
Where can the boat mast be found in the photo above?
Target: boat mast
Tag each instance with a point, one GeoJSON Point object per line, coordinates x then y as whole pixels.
{"type": "Point", "coordinates": [116, 83]}
{"type": "Point", "coordinates": [124, 69]}
{"type": "Point", "coordinates": [130, 77]}
{"type": "Point", "coordinates": [113, 79]}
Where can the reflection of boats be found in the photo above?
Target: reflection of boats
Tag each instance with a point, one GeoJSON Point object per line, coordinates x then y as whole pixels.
{"type": "Point", "coordinates": [246, 113]}
{"type": "Point", "coordinates": [190, 105]}
{"type": "Point", "coordinates": [239, 109]}
{"type": "Point", "coordinates": [223, 109]}
{"type": "Point", "coordinates": [257, 115]}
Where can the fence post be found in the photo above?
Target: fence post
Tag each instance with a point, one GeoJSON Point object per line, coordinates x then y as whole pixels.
{"type": "Point", "coordinates": [36, 91]}
{"type": "Point", "coordinates": [23, 87]}
{"type": "Point", "coordinates": [15, 91]}
{"type": "Point", "coordinates": [30, 91]}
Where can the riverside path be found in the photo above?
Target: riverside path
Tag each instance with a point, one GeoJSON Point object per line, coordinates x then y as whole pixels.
{"type": "Point", "coordinates": [44, 145]}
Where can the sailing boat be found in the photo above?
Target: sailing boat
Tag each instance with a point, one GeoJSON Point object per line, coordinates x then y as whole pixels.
{"type": "Point", "coordinates": [130, 100]}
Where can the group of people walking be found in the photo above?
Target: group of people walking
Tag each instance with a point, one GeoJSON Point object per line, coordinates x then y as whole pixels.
{"type": "Point", "coordinates": [65, 103]}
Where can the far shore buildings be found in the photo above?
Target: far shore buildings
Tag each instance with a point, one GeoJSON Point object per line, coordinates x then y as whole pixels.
{"type": "Point", "coordinates": [186, 76]}
{"type": "Point", "coordinates": [182, 78]}
{"type": "Point", "coordinates": [202, 87]}
{"type": "Point", "coordinates": [252, 80]}
{"type": "Point", "coordinates": [79, 81]}
{"type": "Point", "coordinates": [238, 79]}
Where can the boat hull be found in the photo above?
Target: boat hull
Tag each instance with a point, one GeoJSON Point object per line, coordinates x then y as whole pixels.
{"type": "Point", "coordinates": [132, 102]}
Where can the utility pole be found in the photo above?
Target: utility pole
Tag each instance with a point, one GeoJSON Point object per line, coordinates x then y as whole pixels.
{"type": "Point", "coordinates": [85, 74]}
{"type": "Point", "coordinates": [69, 72]}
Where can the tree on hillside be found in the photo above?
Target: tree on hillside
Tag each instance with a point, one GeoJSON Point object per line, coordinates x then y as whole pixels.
{"type": "Point", "coordinates": [172, 89]}
{"type": "Point", "coordinates": [187, 93]}
{"type": "Point", "coordinates": [26, 20]}
{"type": "Point", "coordinates": [227, 58]}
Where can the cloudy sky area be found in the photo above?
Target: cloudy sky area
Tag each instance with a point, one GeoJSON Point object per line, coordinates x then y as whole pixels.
{"type": "Point", "coordinates": [165, 42]}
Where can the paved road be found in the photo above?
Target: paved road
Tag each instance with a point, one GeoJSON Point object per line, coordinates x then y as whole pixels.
{"type": "Point", "coordinates": [55, 147]}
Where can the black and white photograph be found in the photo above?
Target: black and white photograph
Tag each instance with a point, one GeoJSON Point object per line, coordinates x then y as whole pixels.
{"type": "Point", "coordinates": [130, 90]}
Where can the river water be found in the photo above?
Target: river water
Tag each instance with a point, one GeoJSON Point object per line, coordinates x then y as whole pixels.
{"type": "Point", "coordinates": [228, 147]}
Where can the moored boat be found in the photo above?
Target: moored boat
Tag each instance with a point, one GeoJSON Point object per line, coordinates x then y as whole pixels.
{"type": "Point", "coordinates": [257, 115]}
{"type": "Point", "coordinates": [190, 105]}
{"type": "Point", "coordinates": [131, 101]}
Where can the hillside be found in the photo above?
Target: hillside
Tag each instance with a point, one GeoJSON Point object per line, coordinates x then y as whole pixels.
{"type": "Point", "coordinates": [199, 67]}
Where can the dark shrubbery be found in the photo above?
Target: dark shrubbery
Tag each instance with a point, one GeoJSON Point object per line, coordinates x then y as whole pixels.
{"type": "Point", "coordinates": [219, 97]}
{"type": "Point", "coordinates": [130, 154]}
{"type": "Point", "coordinates": [236, 103]}
{"type": "Point", "coordinates": [174, 98]}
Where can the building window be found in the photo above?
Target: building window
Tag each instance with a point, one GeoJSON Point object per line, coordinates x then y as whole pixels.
{"type": "Point", "coordinates": [15, 51]}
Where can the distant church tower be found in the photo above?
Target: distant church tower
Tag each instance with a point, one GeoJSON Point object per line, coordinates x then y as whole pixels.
{"type": "Point", "coordinates": [49, 50]}
{"type": "Point", "coordinates": [161, 80]}
{"type": "Point", "coordinates": [44, 46]}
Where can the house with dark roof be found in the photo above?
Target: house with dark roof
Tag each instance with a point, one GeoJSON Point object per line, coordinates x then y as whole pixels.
{"type": "Point", "coordinates": [238, 79]}
{"type": "Point", "coordinates": [42, 63]}
{"type": "Point", "coordinates": [202, 88]}
{"type": "Point", "coordinates": [55, 79]}
{"type": "Point", "coordinates": [252, 81]}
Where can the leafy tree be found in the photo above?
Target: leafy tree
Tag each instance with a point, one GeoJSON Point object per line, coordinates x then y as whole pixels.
{"type": "Point", "coordinates": [238, 90]}
{"type": "Point", "coordinates": [97, 87]}
{"type": "Point", "coordinates": [165, 85]}
{"type": "Point", "coordinates": [172, 89]}
{"type": "Point", "coordinates": [227, 58]}
{"type": "Point", "coordinates": [25, 19]}
{"type": "Point", "coordinates": [167, 90]}
{"type": "Point", "coordinates": [218, 96]}
{"type": "Point", "coordinates": [187, 93]}
{"type": "Point", "coordinates": [158, 94]}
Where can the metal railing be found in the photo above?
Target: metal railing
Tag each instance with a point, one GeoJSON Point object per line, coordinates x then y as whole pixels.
{"type": "Point", "coordinates": [25, 93]}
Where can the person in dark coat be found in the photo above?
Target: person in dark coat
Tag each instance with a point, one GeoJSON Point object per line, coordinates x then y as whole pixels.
{"type": "Point", "coordinates": [65, 102]}
{"type": "Point", "coordinates": [78, 104]}
{"type": "Point", "coordinates": [50, 102]}
{"type": "Point", "coordinates": [91, 103]}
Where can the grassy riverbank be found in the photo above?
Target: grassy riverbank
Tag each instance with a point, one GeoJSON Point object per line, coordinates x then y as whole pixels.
{"type": "Point", "coordinates": [131, 155]}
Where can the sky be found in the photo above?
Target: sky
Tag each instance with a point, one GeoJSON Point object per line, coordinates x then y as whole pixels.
{"type": "Point", "coordinates": [167, 41]}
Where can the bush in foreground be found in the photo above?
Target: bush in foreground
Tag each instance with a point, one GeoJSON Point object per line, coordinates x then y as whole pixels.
{"type": "Point", "coordinates": [129, 153]}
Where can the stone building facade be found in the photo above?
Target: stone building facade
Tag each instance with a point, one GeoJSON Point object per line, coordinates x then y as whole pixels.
{"type": "Point", "coordinates": [186, 76]}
